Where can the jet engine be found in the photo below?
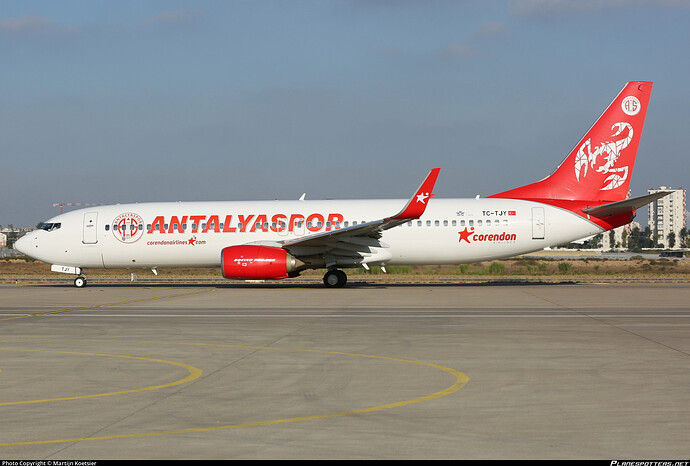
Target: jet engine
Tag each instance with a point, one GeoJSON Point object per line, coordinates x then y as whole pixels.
{"type": "Point", "coordinates": [254, 262]}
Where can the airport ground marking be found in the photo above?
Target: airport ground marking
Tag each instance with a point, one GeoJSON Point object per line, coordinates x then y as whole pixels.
{"type": "Point", "coordinates": [194, 373]}
{"type": "Point", "coordinates": [460, 381]}
{"type": "Point", "coordinates": [97, 306]}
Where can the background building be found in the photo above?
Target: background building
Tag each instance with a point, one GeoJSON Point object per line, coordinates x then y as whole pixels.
{"type": "Point", "coordinates": [668, 215]}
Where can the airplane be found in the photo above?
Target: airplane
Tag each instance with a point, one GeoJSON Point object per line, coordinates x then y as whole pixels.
{"type": "Point", "coordinates": [272, 240]}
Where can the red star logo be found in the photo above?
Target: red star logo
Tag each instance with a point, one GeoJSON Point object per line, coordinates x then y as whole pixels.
{"type": "Point", "coordinates": [465, 235]}
{"type": "Point", "coordinates": [192, 240]}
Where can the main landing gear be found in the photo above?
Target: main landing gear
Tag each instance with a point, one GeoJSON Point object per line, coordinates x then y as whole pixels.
{"type": "Point", "coordinates": [335, 279]}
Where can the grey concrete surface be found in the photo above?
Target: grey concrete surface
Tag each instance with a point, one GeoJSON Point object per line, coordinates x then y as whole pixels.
{"type": "Point", "coordinates": [489, 371]}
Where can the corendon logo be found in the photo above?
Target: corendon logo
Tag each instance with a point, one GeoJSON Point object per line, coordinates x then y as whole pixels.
{"type": "Point", "coordinates": [128, 227]}
{"type": "Point", "coordinates": [244, 223]}
{"type": "Point", "coordinates": [470, 236]}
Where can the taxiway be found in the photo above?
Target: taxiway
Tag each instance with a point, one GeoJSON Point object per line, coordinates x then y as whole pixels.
{"type": "Point", "coordinates": [538, 371]}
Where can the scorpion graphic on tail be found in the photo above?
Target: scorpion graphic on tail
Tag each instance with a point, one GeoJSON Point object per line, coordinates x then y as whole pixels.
{"type": "Point", "coordinates": [586, 158]}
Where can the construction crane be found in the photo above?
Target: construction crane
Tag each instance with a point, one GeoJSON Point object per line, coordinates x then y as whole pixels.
{"type": "Point", "coordinates": [79, 204]}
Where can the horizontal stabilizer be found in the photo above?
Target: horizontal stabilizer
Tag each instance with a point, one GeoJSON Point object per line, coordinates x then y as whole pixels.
{"type": "Point", "coordinates": [627, 205]}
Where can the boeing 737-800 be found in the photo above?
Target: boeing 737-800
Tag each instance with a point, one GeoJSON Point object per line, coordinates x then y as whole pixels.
{"type": "Point", "coordinates": [263, 240]}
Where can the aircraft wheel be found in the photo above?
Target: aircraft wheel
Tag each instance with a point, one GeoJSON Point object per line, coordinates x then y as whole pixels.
{"type": "Point", "coordinates": [335, 279]}
{"type": "Point", "coordinates": [80, 282]}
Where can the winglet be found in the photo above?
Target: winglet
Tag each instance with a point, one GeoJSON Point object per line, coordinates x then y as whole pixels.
{"type": "Point", "coordinates": [418, 202]}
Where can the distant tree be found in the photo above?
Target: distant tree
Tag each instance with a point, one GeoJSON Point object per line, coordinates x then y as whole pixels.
{"type": "Point", "coordinates": [624, 238]}
{"type": "Point", "coordinates": [635, 240]}
{"type": "Point", "coordinates": [655, 238]}
{"type": "Point", "coordinates": [671, 239]}
{"type": "Point", "coordinates": [612, 239]}
{"type": "Point", "coordinates": [683, 237]}
{"type": "Point", "coordinates": [595, 242]}
{"type": "Point", "coordinates": [12, 236]}
{"type": "Point", "coordinates": [646, 240]}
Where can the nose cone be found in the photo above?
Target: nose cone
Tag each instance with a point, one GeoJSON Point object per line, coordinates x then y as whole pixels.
{"type": "Point", "coordinates": [24, 244]}
{"type": "Point", "coordinates": [21, 245]}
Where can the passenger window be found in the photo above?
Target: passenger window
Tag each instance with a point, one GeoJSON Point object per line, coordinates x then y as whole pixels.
{"type": "Point", "coordinates": [454, 223]}
{"type": "Point", "coordinates": [437, 223]}
{"type": "Point", "coordinates": [445, 223]}
{"type": "Point", "coordinates": [107, 228]}
{"type": "Point", "coordinates": [471, 223]}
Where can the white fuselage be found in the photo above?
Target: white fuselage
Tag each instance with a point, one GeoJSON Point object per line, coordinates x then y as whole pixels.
{"type": "Point", "coordinates": [193, 234]}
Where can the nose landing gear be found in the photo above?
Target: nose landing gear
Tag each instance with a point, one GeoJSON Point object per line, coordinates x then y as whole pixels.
{"type": "Point", "coordinates": [80, 282]}
{"type": "Point", "coordinates": [335, 279]}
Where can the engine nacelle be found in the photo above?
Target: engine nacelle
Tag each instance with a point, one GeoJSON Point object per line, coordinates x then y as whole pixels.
{"type": "Point", "coordinates": [253, 262]}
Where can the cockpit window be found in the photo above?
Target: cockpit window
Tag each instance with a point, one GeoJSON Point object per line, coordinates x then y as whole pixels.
{"type": "Point", "coordinates": [49, 226]}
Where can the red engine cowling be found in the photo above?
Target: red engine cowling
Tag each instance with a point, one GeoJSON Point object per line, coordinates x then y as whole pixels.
{"type": "Point", "coordinates": [253, 262]}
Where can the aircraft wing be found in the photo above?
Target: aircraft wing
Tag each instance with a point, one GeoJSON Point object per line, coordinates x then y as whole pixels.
{"type": "Point", "coordinates": [350, 245]}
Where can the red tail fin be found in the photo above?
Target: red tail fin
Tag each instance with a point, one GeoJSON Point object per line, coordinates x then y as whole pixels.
{"type": "Point", "coordinates": [600, 166]}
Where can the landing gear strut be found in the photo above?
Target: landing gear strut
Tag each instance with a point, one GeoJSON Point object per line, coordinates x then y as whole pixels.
{"type": "Point", "coordinates": [335, 279]}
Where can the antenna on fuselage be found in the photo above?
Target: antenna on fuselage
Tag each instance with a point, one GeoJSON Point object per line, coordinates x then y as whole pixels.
{"type": "Point", "coordinates": [79, 204]}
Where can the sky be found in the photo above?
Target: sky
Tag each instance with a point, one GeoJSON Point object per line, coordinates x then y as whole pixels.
{"type": "Point", "coordinates": [132, 101]}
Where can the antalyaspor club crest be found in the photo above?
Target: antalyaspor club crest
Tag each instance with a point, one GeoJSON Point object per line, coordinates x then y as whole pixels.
{"type": "Point", "coordinates": [128, 227]}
